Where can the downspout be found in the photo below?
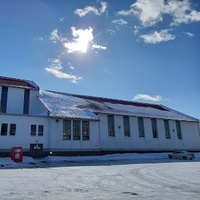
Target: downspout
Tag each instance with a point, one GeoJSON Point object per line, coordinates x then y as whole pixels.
{"type": "Point", "coordinates": [199, 132]}
{"type": "Point", "coordinates": [49, 135]}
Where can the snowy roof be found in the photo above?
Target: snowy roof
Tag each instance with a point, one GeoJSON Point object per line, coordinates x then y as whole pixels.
{"type": "Point", "coordinates": [13, 82]}
{"type": "Point", "coordinates": [65, 105]}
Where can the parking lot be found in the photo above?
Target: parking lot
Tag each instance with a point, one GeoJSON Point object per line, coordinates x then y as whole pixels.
{"type": "Point", "coordinates": [103, 179]}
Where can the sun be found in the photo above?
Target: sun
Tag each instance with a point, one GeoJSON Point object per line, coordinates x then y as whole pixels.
{"type": "Point", "coordinates": [82, 38]}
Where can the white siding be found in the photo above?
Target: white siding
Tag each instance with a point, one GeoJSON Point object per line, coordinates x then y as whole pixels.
{"type": "Point", "coordinates": [58, 144]}
{"type": "Point", "coordinates": [23, 136]}
{"type": "Point", "coordinates": [190, 136]}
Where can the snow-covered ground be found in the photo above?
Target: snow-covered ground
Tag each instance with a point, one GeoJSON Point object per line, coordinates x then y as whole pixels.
{"type": "Point", "coordinates": [116, 177]}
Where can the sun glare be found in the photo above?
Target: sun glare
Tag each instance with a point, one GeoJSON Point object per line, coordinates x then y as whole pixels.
{"type": "Point", "coordinates": [82, 37]}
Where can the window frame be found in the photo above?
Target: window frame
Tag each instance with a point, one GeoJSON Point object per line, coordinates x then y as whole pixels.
{"type": "Point", "coordinates": [26, 101]}
{"type": "Point", "coordinates": [167, 129]}
{"type": "Point", "coordinates": [141, 127]}
{"type": "Point", "coordinates": [4, 129]}
{"type": "Point", "coordinates": [126, 124]}
{"type": "Point", "coordinates": [4, 99]}
{"type": "Point", "coordinates": [85, 130]}
{"type": "Point", "coordinates": [33, 131]}
{"type": "Point", "coordinates": [111, 125]}
{"type": "Point", "coordinates": [67, 129]}
{"type": "Point", "coordinates": [179, 130]}
{"type": "Point", "coordinates": [40, 132]}
{"type": "Point", "coordinates": [13, 128]}
{"type": "Point", "coordinates": [76, 130]}
{"type": "Point", "coordinates": [154, 128]}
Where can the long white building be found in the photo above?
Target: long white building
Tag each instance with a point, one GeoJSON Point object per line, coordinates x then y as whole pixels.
{"type": "Point", "coordinates": [43, 121]}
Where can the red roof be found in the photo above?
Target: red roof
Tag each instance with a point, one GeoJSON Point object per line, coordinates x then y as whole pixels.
{"type": "Point", "coordinates": [123, 102]}
{"type": "Point", "coordinates": [13, 82]}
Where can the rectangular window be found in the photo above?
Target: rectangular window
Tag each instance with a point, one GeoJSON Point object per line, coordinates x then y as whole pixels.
{"type": "Point", "coordinates": [85, 130]}
{"type": "Point", "coordinates": [111, 126]}
{"type": "Point", "coordinates": [26, 101]}
{"type": "Point", "coordinates": [12, 129]}
{"type": "Point", "coordinates": [4, 96]}
{"type": "Point", "coordinates": [40, 130]}
{"type": "Point", "coordinates": [167, 129]}
{"type": "Point", "coordinates": [67, 130]}
{"type": "Point", "coordinates": [126, 126]}
{"type": "Point", "coordinates": [4, 129]}
{"type": "Point", "coordinates": [33, 130]}
{"type": "Point", "coordinates": [141, 127]}
{"type": "Point", "coordinates": [76, 130]}
{"type": "Point", "coordinates": [154, 128]}
{"type": "Point", "coordinates": [178, 129]}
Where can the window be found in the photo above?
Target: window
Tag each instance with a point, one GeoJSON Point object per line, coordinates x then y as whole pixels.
{"type": "Point", "coordinates": [4, 129]}
{"type": "Point", "coordinates": [141, 127]}
{"type": "Point", "coordinates": [167, 130]}
{"type": "Point", "coordinates": [76, 130]}
{"type": "Point", "coordinates": [111, 126]}
{"type": "Point", "coordinates": [26, 101]}
{"type": "Point", "coordinates": [40, 130]}
{"type": "Point", "coordinates": [67, 130]}
{"type": "Point", "coordinates": [4, 96]}
{"type": "Point", "coordinates": [33, 130]}
{"type": "Point", "coordinates": [85, 130]}
{"type": "Point", "coordinates": [12, 129]}
{"type": "Point", "coordinates": [126, 126]}
{"type": "Point", "coordinates": [154, 128]}
{"type": "Point", "coordinates": [178, 129]}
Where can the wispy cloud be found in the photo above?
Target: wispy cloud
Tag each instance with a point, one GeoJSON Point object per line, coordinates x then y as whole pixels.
{"type": "Point", "coordinates": [119, 22]}
{"type": "Point", "coordinates": [189, 34]}
{"type": "Point", "coordinates": [55, 37]}
{"type": "Point", "coordinates": [96, 46]}
{"type": "Point", "coordinates": [147, 97]}
{"type": "Point", "coordinates": [92, 9]}
{"type": "Point", "coordinates": [56, 68]}
{"type": "Point", "coordinates": [151, 12]}
{"type": "Point", "coordinates": [157, 37]}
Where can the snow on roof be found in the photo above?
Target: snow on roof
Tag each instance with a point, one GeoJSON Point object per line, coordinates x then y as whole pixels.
{"type": "Point", "coordinates": [13, 82]}
{"type": "Point", "coordinates": [65, 105]}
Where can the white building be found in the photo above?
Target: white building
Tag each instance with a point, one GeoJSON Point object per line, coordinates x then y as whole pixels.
{"type": "Point", "coordinates": [42, 121]}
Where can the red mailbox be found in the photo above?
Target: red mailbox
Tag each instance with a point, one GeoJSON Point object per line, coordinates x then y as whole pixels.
{"type": "Point", "coordinates": [16, 154]}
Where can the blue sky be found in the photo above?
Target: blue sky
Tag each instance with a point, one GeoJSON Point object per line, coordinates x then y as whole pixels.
{"type": "Point", "coordinates": [141, 50]}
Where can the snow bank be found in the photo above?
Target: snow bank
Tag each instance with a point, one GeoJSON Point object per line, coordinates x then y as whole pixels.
{"type": "Point", "coordinates": [30, 162]}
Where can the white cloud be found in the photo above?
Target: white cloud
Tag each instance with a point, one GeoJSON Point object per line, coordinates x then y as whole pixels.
{"type": "Point", "coordinates": [157, 37]}
{"type": "Point", "coordinates": [82, 37]}
{"type": "Point", "coordinates": [81, 40]}
{"type": "Point", "coordinates": [55, 37]}
{"type": "Point", "coordinates": [182, 12]}
{"type": "Point", "coordinates": [136, 29]}
{"type": "Point", "coordinates": [110, 32]}
{"type": "Point", "coordinates": [150, 12]}
{"type": "Point", "coordinates": [147, 97]}
{"type": "Point", "coordinates": [189, 34]}
{"type": "Point", "coordinates": [56, 68]}
{"type": "Point", "coordinates": [119, 22]}
{"type": "Point", "coordinates": [89, 9]}
{"type": "Point", "coordinates": [96, 46]}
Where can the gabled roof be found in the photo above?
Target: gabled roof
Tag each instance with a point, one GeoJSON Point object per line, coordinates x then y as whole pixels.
{"type": "Point", "coordinates": [65, 105]}
{"type": "Point", "coordinates": [13, 82]}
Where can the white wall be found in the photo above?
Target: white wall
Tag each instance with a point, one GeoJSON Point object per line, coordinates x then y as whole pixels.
{"type": "Point", "coordinates": [23, 136]}
{"type": "Point", "coordinates": [15, 102]}
{"type": "Point", "coordinates": [190, 136]}
{"type": "Point", "coordinates": [58, 144]}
